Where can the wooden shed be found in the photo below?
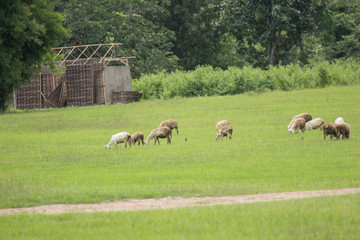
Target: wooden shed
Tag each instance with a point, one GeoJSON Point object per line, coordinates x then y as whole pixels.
{"type": "Point", "coordinates": [93, 74]}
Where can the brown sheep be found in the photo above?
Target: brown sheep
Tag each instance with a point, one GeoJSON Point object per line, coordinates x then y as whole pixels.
{"type": "Point", "coordinates": [305, 116]}
{"type": "Point", "coordinates": [160, 132]}
{"type": "Point", "coordinates": [342, 129]}
{"type": "Point", "coordinates": [296, 124]}
{"type": "Point", "coordinates": [221, 124]}
{"type": "Point", "coordinates": [330, 129]}
{"type": "Point", "coordinates": [170, 124]}
{"type": "Point", "coordinates": [137, 137]}
{"type": "Point", "coordinates": [226, 130]}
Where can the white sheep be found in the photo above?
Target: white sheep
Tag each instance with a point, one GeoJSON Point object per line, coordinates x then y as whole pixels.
{"type": "Point", "coordinates": [314, 124]}
{"type": "Point", "coordinates": [170, 124]}
{"type": "Point", "coordinates": [119, 138]}
{"type": "Point", "coordinates": [221, 124]}
{"type": "Point", "coordinates": [160, 132]}
{"type": "Point", "coordinates": [305, 116]}
{"type": "Point", "coordinates": [339, 120]}
{"type": "Point", "coordinates": [226, 130]}
{"type": "Point", "coordinates": [296, 124]}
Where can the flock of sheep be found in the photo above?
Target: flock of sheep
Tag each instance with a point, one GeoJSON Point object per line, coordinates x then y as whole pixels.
{"type": "Point", "coordinates": [163, 131]}
{"type": "Point", "coordinates": [223, 128]}
{"type": "Point", "coordinates": [304, 121]}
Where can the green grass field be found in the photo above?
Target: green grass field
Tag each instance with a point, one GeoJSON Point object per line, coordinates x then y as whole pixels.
{"type": "Point", "coordinates": [58, 156]}
{"type": "Point", "coordinates": [318, 218]}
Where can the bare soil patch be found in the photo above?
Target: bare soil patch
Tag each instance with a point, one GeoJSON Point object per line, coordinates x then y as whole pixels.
{"type": "Point", "coordinates": [173, 202]}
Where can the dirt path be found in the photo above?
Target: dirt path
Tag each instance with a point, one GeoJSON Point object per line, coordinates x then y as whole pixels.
{"type": "Point", "coordinates": [173, 202]}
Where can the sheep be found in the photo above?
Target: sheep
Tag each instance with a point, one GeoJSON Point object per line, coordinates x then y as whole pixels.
{"type": "Point", "coordinates": [120, 138]}
{"type": "Point", "coordinates": [339, 120]}
{"type": "Point", "coordinates": [330, 129]}
{"type": "Point", "coordinates": [160, 132]}
{"type": "Point", "coordinates": [314, 124]}
{"type": "Point", "coordinates": [170, 124]}
{"type": "Point", "coordinates": [226, 130]}
{"type": "Point", "coordinates": [342, 129]}
{"type": "Point", "coordinates": [221, 124]}
{"type": "Point", "coordinates": [296, 124]}
{"type": "Point", "coordinates": [137, 137]}
{"type": "Point", "coordinates": [305, 116]}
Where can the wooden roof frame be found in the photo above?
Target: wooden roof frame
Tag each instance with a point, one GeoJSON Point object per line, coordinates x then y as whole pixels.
{"type": "Point", "coordinates": [109, 52]}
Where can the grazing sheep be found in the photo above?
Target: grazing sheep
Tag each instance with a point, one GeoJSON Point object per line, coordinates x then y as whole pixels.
{"type": "Point", "coordinates": [339, 120]}
{"type": "Point", "coordinates": [305, 116]}
{"type": "Point", "coordinates": [160, 132]}
{"type": "Point", "coordinates": [342, 129]}
{"type": "Point", "coordinates": [226, 130]}
{"type": "Point", "coordinates": [221, 124]}
{"type": "Point", "coordinates": [137, 137]}
{"type": "Point", "coordinates": [170, 124]}
{"type": "Point", "coordinates": [330, 129]}
{"type": "Point", "coordinates": [314, 124]}
{"type": "Point", "coordinates": [120, 138]}
{"type": "Point", "coordinates": [296, 124]}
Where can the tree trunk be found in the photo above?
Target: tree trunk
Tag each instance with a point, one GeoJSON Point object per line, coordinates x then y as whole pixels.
{"type": "Point", "coordinates": [272, 49]}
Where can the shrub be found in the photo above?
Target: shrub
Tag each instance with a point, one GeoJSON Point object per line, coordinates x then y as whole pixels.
{"type": "Point", "coordinates": [209, 81]}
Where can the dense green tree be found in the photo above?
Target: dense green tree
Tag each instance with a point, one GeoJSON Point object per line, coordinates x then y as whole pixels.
{"type": "Point", "coordinates": [28, 31]}
{"type": "Point", "coordinates": [340, 34]}
{"type": "Point", "coordinates": [267, 29]}
{"type": "Point", "coordinates": [198, 34]}
{"type": "Point", "coordinates": [135, 24]}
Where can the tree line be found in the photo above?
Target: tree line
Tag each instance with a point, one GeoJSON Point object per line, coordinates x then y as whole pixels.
{"type": "Point", "coordinates": [182, 34]}
{"type": "Point", "coordinates": [169, 35]}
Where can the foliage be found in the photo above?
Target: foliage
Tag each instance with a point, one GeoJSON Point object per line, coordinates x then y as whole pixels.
{"type": "Point", "coordinates": [28, 31]}
{"type": "Point", "coordinates": [262, 28]}
{"type": "Point", "coordinates": [341, 33]}
{"type": "Point", "coordinates": [177, 34]}
{"type": "Point", "coordinates": [197, 32]}
{"type": "Point", "coordinates": [207, 81]}
{"type": "Point", "coordinates": [134, 25]}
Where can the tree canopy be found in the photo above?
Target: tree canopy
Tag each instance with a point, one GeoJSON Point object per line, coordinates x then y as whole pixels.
{"type": "Point", "coordinates": [28, 31]}
{"type": "Point", "coordinates": [166, 35]}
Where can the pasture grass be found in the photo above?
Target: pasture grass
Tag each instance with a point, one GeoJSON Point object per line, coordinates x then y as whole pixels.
{"type": "Point", "coordinates": [317, 218]}
{"type": "Point", "coordinates": [57, 155]}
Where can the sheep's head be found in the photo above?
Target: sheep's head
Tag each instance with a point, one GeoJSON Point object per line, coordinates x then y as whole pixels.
{"type": "Point", "coordinates": [107, 146]}
{"type": "Point", "coordinates": [291, 131]}
{"type": "Point", "coordinates": [146, 142]}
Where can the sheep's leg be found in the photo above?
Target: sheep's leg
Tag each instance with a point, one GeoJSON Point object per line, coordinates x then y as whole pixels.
{"type": "Point", "coordinates": [177, 131]}
{"type": "Point", "coordinates": [158, 141]}
{"type": "Point", "coordinates": [115, 143]}
{"type": "Point", "coordinates": [168, 140]}
{"type": "Point", "coordinates": [125, 144]}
